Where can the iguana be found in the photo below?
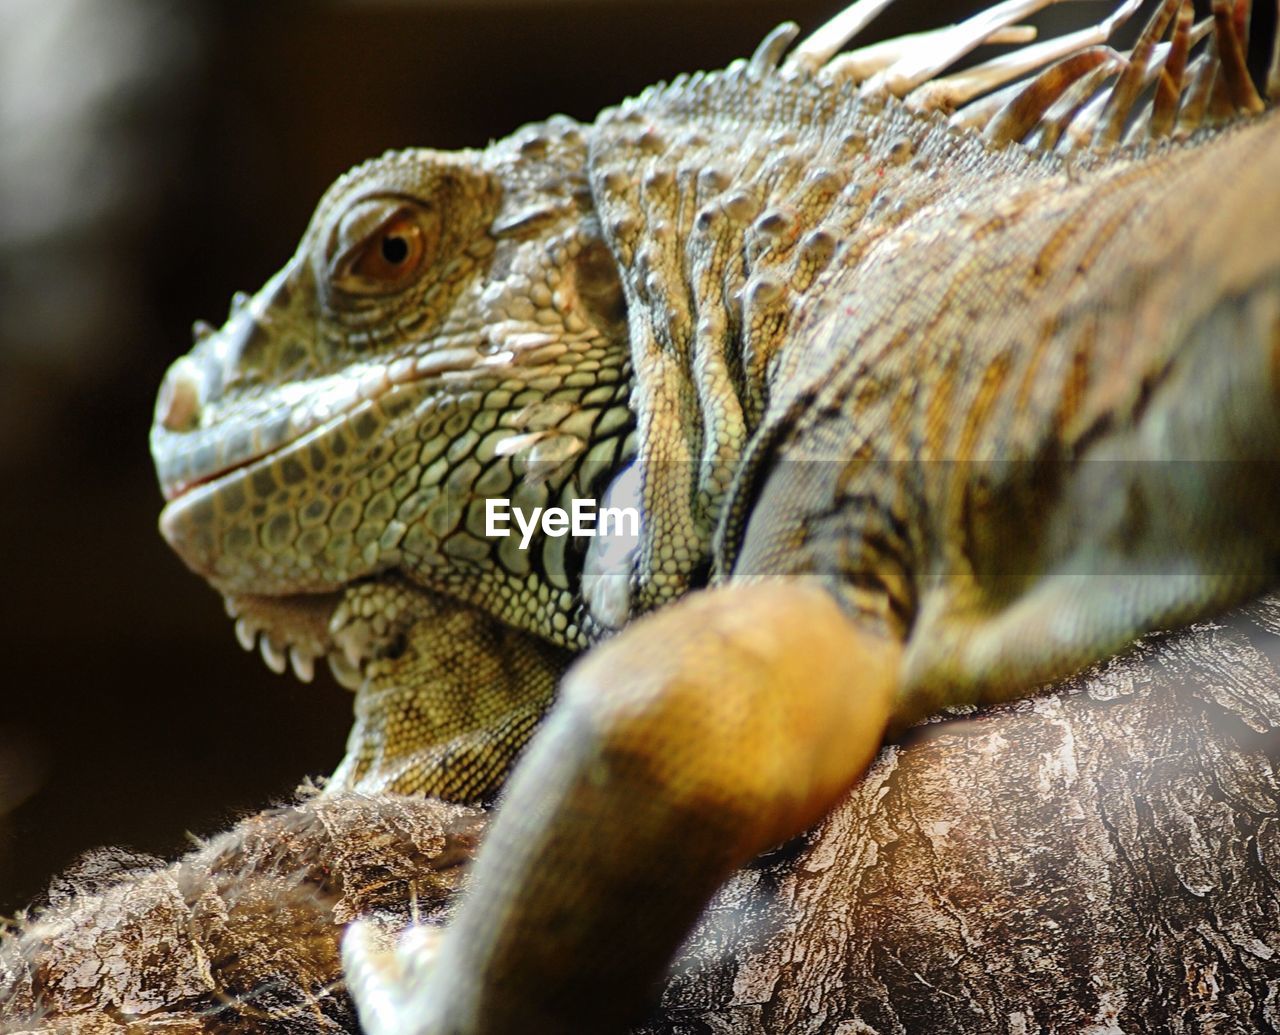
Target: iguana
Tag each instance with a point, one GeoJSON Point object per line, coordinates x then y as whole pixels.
{"type": "Point", "coordinates": [928, 390]}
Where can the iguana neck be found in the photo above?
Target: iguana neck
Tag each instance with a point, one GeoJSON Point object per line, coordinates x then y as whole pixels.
{"type": "Point", "coordinates": [732, 201]}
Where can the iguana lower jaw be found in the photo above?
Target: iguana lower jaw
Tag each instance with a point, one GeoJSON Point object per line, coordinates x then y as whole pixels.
{"type": "Point", "coordinates": [246, 533]}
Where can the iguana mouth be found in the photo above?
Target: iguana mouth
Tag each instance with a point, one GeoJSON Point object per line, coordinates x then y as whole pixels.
{"type": "Point", "coordinates": [192, 448]}
{"type": "Point", "coordinates": [190, 459]}
{"type": "Point", "coordinates": [230, 453]}
{"type": "Point", "coordinates": [212, 504]}
{"type": "Point", "coordinates": [177, 490]}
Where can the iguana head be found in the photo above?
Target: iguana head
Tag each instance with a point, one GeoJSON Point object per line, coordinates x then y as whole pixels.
{"type": "Point", "coordinates": [450, 327]}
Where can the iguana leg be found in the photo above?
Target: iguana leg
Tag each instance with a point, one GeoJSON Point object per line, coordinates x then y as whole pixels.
{"type": "Point", "coordinates": [697, 738]}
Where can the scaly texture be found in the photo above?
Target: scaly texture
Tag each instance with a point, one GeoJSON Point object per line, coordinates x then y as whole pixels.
{"type": "Point", "coordinates": [917, 410]}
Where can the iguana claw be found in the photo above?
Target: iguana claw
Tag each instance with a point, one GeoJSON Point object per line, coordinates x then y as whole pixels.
{"type": "Point", "coordinates": [382, 981]}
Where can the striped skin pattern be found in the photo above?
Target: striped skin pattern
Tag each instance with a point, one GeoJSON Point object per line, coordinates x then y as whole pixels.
{"type": "Point", "coordinates": [875, 284]}
{"type": "Point", "coordinates": [930, 389]}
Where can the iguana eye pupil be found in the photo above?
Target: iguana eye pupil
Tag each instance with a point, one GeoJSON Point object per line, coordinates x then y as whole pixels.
{"type": "Point", "coordinates": [389, 256]}
{"type": "Point", "coordinates": [395, 249]}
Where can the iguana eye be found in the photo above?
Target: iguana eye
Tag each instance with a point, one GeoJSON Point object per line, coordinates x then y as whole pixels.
{"type": "Point", "coordinates": [386, 259]}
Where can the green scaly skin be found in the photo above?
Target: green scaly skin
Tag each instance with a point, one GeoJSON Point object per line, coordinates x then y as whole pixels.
{"type": "Point", "coordinates": [977, 412]}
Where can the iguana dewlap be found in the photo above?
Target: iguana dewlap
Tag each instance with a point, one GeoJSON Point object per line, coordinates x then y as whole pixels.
{"type": "Point", "coordinates": [913, 410]}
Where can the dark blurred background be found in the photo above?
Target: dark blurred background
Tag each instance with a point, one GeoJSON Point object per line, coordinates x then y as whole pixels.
{"type": "Point", "coordinates": [155, 156]}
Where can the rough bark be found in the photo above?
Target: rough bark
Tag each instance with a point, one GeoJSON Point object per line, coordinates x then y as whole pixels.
{"type": "Point", "coordinates": [1101, 859]}
{"type": "Point", "coordinates": [241, 935]}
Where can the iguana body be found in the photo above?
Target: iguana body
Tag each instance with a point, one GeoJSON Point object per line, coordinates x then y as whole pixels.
{"type": "Point", "coordinates": [912, 418]}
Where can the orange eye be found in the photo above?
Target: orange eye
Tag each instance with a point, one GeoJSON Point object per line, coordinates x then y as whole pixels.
{"type": "Point", "coordinates": [391, 254]}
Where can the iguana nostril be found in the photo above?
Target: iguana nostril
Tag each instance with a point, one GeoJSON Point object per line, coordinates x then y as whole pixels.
{"type": "Point", "coordinates": [178, 406]}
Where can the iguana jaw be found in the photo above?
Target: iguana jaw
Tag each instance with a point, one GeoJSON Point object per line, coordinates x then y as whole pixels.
{"type": "Point", "coordinates": [202, 522]}
{"type": "Point", "coordinates": [216, 521]}
{"type": "Point", "coordinates": [325, 422]}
